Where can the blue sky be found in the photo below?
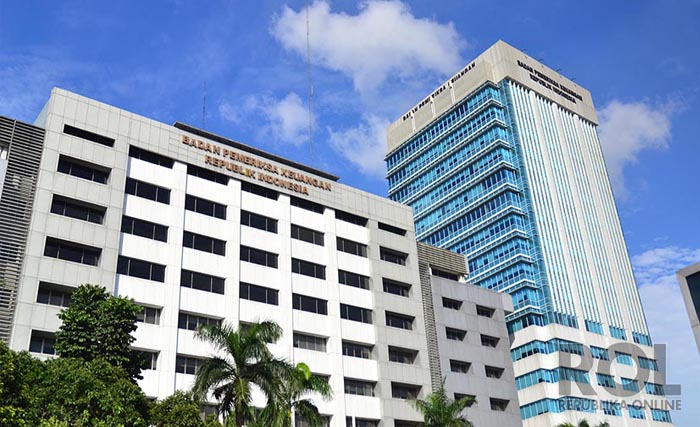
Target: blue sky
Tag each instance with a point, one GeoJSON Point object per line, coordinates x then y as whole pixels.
{"type": "Point", "coordinates": [374, 60]}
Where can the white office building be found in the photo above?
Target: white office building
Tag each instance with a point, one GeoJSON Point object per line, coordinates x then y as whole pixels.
{"type": "Point", "coordinates": [201, 229]}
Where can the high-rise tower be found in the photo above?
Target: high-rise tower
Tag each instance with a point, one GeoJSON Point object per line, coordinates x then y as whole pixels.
{"type": "Point", "coordinates": [502, 163]}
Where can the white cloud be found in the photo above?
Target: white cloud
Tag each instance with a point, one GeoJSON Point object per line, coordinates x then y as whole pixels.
{"type": "Point", "coordinates": [383, 38]}
{"type": "Point", "coordinates": [668, 321]}
{"type": "Point", "coordinates": [286, 120]}
{"type": "Point", "coordinates": [363, 146]}
{"type": "Point", "coordinates": [627, 129]}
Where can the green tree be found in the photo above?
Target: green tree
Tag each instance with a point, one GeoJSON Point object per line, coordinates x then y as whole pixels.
{"type": "Point", "coordinates": [95, 393]}
{"type": "Point", "coordinates": [19, 373]}
{"type": "Point", "coordinates": [243, 360]}
{"type": "Point", "coordinates": [584, 423]}
{"type": "Point", "coordinates": [178, 410]}
{"type": "Point", "coordinates": [298, 382]}
{"type": "Point", "coordinates": [439, 410]}
{"type": "Point", "coordinates": [98, 325]}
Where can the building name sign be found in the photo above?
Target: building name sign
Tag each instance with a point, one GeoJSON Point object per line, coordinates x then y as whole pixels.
{"type": "Point", "coordinates": [550, 84]}
{"type": "Point", "coordinates": [254, 168]}
{"type": "Point", "coordinates": [437, 91]}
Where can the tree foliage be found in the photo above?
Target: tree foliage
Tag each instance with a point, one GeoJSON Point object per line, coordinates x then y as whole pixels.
{"type": "Point", "coordinates": [98, 325]}
{"type": "Point", "coordinates": [439, 410]}
{"type": "Point", "coordinates": [19, 372]}
{"type": "Point", "coordinates": [298, 382]}
{"type": "Point", "coordinates": [584, 423]}
{"type": "Point", "coordinates": [177, 410]}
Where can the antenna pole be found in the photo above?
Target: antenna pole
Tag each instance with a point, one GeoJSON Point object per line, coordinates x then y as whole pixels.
{"type": "Point", "coordinates": [204, 105]}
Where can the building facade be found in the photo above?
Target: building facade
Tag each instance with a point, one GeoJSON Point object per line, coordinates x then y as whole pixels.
{"type": "Point", "coordinates": [468, 341]}
{"type": "Point", "coordinates": [502, 163]}
{"type": "Point", "coordinates": [200, 229]}
{"type": "Point", "coordinates": [689, 279]}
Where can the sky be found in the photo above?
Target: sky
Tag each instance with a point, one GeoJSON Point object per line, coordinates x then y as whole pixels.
{"type": "Point", "coordinates": [371, 62]}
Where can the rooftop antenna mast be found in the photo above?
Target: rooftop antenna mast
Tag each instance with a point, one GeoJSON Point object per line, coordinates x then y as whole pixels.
{"type": "Point", "coordinates": [310, 88]}
{"type": "Point", "coordinates": [204, 105]}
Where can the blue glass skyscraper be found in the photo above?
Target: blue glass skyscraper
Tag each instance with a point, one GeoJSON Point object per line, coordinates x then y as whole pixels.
{"type": "Point", "coordinates": [502, 163]}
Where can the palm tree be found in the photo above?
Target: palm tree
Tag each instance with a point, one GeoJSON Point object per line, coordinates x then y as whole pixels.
{"type": "Point", "coordinates": [584, 423]}
{"type": "Point", "coordinates": [439, 410]}
{"type": "Point", "coordinates": [242, 360]}
{"type": "Point", "coordinates": [298, 382]}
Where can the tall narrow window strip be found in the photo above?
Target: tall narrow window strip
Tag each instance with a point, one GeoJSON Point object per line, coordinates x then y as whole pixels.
{"type": "Point", "coordinates": [87, 135]}
{"type": "Point", "coordinates": [150, 157]}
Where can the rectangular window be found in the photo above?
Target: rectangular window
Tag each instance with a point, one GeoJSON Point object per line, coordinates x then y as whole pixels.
{"type": "Point", "coordinates": [459, 396]}
{"type": "Point", "coordinates": [204, 243]}
{"type": "Point", "coordinates": [307, 268]}
{"type": "Point", "coordinates": [401, 321]}
{"type": "Point", "coordinates": [444, 274]}
{"type": "Point", "coordinates": [77, 209]}
{"type": "Point", "coordinates": [306, 204]}
{"type": "Point", "coordinates": [455, 334]}
{"type": "Point", "coordinates": [150, 157]}
{"type": "Point", "coordinates": [353, 279]}
{"type": "Point", "coordinates": [402, 355]}
{"type": "Point", "coordinates": [42, 342]}
{"type": "Point", "coordinates": [310, 304]}
{"type": "Point", "coordinates": [404, 391]}
{"type": "Point", "coordinates": [151, 358]}
{"type": "Point", "coordinates": [493, 372]}
{"type": "Point", "coordinates": [396, 288]}
{"type": "Point", "coordinates": [624, 358]}
{"type": "Point", "coordinates": [258, 256]}
{"type": "Point", "coordinates": [599, 353]}
{"type": "Point", "coordinates": [260, 191]}
{"type": "Point", "coordinates": [350, 247]}
{"type": "Point", "coordinates": [499, 405]}
{"type": "Point", "coordinates": [260, 222]}
{"type": "Point", "coordinates": [86, 134]}
{"type": "Point", "coordinates": [141, 269]}
{"type": "Point", "coordinates": [202, 282]}
{"type": "Point", "coordinates": [392, 256]}
{"type": "Point", "coordinates": [352, 219]}
{"type": "Point", "coordinates": [149, 315]}
{"type": "Point", "coordinates": [187, 365]}
{"type": "Point", "coordinates": [605, 380]}
{"type": "Point", "coordinates": [147, 191]}
{"type": "Point", "coordinates": [307, 235]}
{"type": "Point", "coordinates": [360, 422]}
{"type": "Point", "coordinates": [655, 389]}
{"type": "Point", "coordinates": [489, 341]}
{"type": "Point", "coordinates": [646, 363]}
{"type": "Point", "coordinates": [192, 322]}
{"type": "Point", "coordinates": [661, 415]}
{"type": "Point", "coordinates": [629, 384]}
{"type": "Point", "coordinates": [636, 412]}
{"type": "Point", "coordinates": [452, 304]}
{"type": "Point", "coordinates": [52, 294]}
{"type": "Point", "coordinates": [83, 170]}
{"type": "Point", "coordinates": [310, 342]}
{"type": "Point", "coordinates": [207, 174]}
{"type": "Point", "coordinates": [358, 387]}
{"type": "Point", "coordinates": [205, 207]}
{"type": "Point", "coordinates": [361, 351]}
{"type": "Point", "coordinates": [149, 230]}
{"type": "Point", "coordinates": [391, 229]}
{"type": "Point", "coordinates": [484, 311]}
{"type": "Point", "coordinates": [459, 366]}
{"type": "Point", "coordinates": [259, 293]}
{"type": "Point", "coordinates": [356, 314]}
{"type": "Point", "coordinates": [73, 252]}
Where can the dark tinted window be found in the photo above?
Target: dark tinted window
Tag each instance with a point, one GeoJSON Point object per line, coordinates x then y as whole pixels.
{"type": "Point", "coordinates": [308, 268]}
{"type": "Point", "coordinates": [205, 207]}
{"type": "Point", "coordinates": [493, 372]}
{"type": "Point", "coordinates": [489, 341]}
{"type": "Point", "coordinates": [142, 269]}
{"type": "Point", "coordinates": [143, 228]}
{"type": "Point", "coordinates": [187, 365]}
{"type": "Point", "coordinates": [147, 156]}
{"type": "Point", "coordinates": [78, 210]}
{"type": "Point", "coordinates": [42, 342]}
{"type": "Point", "coordinates": [192, 322]}
{"type": "Point", "coordinates": [147, 191]}
{"type": "Point", "coordinates": [353, 279]}
{"type": "Point", "coordinates": [352, 219]}
{"type": "Point", "coordinates": [260, 191]}
{"type": "Point", "coordinates": [307, 235]}
{"type": "Point", "coordinates": [401, 321]}
{"type": "Point", "coordinates": [402, 355]}
{"type": "Point", "coordinates": [90, 136]}
{"type": "Point", "coordinates": [455, 334]}
{"type": "Point", "coordinates": [309, 342]}
{"type": "Point", "coordinates": [310, 304]}
{"type": "Point", "coordinates": [445, 274]}
{"type": "Point", "coordinates": [259, 221]}
{"type": "Point", "coordinates": [84, 170]}
{"type": "Point", "coordinates": [258, 293]}
{"type": "Point", "coordinates": [459, 366]}
{"type": "Point", "coordinates": [484, 311]}
{"type": "Point", "coordinates": [258, 256]}
{"type": "Point", "coordinates": [74, 252]}
{"type": "Point", "coordinates": [356, 314]}
{"type": "Point", "coordinates": [404, 391]}
{"type": "Point", "coordinates": [694, 287]}
{"type": "Point", "coordinates": [392, 256]}
{"type": "Point", "coordinates": [391, 229]}
{"type": "Point", "coordinates": [350, 247]}
{"type": "Point", "coordinates": [207, 174]}
{"type": "Point", "coordinates": [52, 294]}
{"type": "Point", "coordinates": [396, 288]}
{"type": "Point", "coordinates": [358, 387]}
{"type": "Point", "coordinates": [362, 351]}
{"type": "Point", "coordinates": [203, 243]}
{"type": "Point", "coordinates": [306, 204]}
{"type": "Point", "coordinates": [202, 282]}
{"type": "Point", "coordinates": [149, 315]}
{"type": "Point", "coordinates": [452, 304]}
